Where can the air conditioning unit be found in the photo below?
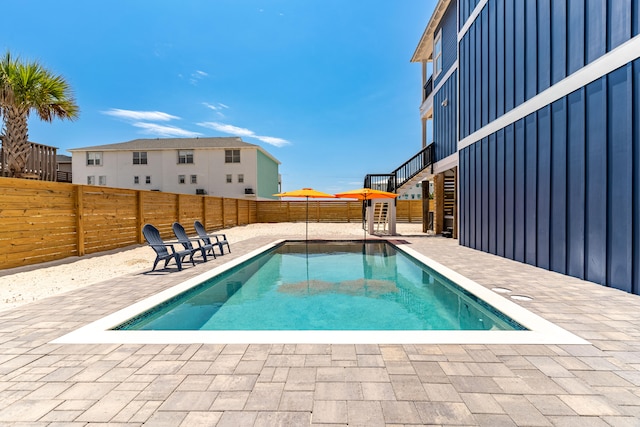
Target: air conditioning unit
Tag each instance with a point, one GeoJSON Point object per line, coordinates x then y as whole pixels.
{"type": "Point", "coordinates": [248, 190]}
{"type": "Point", "coordinates": [200, 191]}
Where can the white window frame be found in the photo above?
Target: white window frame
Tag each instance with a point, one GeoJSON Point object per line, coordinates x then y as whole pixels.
{"type": "Point", "coordinates": [185, 157]}
{"type": "Point", "coordinates": [181, 179]}
{"type": "Point", "coordinates": [240, 178]}
{"type": "Point", "coordinates": [139, 157]}
{"type": "Point", "coordinates": [437, 53]}
{"type": "Point", "coordinates": [94, 158]}
{"type": "Point", "coordinates": [232, 156]}
{"type": "Point", "coordinates": [194, 179]}
{"type": "Point", "coordinates": [91, 180]}
{"type": "Point", "coordinates": [147, 179]}
{"type": "Point", "coordinates": [102, 180]}
{"type": "Point", "coordinates": [229, 178]}
{"type": "Point", "coordinates": [136, 179]}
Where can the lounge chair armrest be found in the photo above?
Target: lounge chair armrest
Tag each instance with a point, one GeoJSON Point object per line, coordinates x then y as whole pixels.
{"type": "Point", "coordinates": [164, 245]}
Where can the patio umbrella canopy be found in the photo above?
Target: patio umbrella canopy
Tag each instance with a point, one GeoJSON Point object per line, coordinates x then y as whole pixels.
{"type": "Point", "coordinates": [366, 194]}
{"type": "Point", "coordinates": [306, 192]}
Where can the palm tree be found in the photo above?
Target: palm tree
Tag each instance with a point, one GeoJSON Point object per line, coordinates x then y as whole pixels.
{"type": "Point", "coordinates": [25, 88]}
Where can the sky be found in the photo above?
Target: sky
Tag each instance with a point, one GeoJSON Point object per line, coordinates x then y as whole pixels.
{"type": "Point", "coordinates": [325, 86]}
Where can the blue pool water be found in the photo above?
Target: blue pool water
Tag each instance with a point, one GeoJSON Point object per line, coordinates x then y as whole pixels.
{"type": "Point", "coordinates": [325, 286]}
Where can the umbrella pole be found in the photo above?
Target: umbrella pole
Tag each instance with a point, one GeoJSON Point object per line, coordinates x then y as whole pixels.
{"type": "Point", "coordinates": [306, 230]}
{"type": "Point", "coordinates": [365, 222]}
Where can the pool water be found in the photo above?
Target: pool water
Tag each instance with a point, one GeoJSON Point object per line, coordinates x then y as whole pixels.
{"type": "Point", "coordinates": [325, 286]}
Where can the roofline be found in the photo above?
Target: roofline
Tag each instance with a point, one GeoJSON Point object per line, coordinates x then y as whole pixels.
{"type": "Point", "coordinates": [248, 146]}
{"type": "Point", "coordinates": [266, 153]}
{"type": "Point", "coordinates": [424, 49]}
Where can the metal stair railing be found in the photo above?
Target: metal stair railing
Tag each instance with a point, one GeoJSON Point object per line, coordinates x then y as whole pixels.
{"type": "Point", "coordinates": [391, 182]}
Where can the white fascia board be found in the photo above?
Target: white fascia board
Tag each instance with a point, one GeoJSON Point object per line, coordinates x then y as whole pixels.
{"type": "Point", "coordinates": [602, 66]}
{"type": "Point", "coordinates": [471, 19]}
{"type": "Point", "coordinates": [445, 164]}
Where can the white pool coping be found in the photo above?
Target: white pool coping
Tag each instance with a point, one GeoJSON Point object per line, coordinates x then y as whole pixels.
{"type": "Point", "coordinates": [540, 331]}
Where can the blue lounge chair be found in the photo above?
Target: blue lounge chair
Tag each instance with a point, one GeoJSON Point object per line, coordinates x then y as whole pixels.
{"type": "Point", "coordinates": [152, 236]}
{"type": "Point", "coordinates": [187, 242]}
{"type": "Point", "coordinates": [221, 239]}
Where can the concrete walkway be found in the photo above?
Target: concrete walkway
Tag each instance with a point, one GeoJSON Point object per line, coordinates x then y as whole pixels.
{"type": "Point", "coordinates": [44, 384]}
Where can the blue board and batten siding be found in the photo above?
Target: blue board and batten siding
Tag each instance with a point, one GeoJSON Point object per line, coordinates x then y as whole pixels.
{"type": "Point", "coordinates": [449, 41]}
{"type": "Point", "coordinates": [444, 118]}
{"type": "Point", "coordinates": [514, 50]}
{"type": "Point", "coordinates": [445, 96]}
{"type": "Point", "coordinates": [466, 7]}
{"type": "Point", "coordinates": [559, 188]}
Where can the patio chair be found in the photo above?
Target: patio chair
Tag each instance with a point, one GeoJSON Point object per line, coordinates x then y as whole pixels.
{"type": "Point", "coordinates": [187, 242]}
{"type": "Point", "coordinates": [152, 236]}
{"type": "Point", "coordinates": [221, 239]}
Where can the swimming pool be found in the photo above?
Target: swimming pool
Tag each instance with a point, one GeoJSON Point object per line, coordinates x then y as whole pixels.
{"type": "Point", "coordinates": [325, 286]}
{"type": "Point", "coordinates": [402, 277]}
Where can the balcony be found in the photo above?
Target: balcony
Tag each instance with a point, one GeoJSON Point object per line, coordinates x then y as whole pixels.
{"type": "Point", "coordinates": [427, 100]}
{"type": "Point", "coordinates": [428, 87]}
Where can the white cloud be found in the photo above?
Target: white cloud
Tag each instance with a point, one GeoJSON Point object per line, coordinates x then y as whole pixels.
{"type": "Point", "coordinates": [197, 76]}
{"type": "Point", "coordinates": [215, 107]}
{"type": "Point", "coordinates": [234, 130]}
{"type": "Point", "coordinates": [165, 131]}
{"type": "Point", "coordinates": [278, 142]}
{"type": "Point", "coordinates": [221, 127]}
{"type": "Point", "coordinates": [158, 116]}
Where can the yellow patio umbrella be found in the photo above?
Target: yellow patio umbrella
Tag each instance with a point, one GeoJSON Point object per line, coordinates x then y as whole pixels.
{"type": "Point", "coordinates": [306, 192]}
{"type": "Point", "coordinates": [366, 194]}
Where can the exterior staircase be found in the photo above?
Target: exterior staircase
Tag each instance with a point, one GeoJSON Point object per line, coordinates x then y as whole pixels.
{"type": "Point", "coordinates": [414, 170]}
{"type": "Point", "coordinates": [411, 172]}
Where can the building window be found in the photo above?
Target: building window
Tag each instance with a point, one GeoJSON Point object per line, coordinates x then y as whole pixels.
{"type": "Point", "coordinates": [232, 156]}
{"type": "Point", "coordinates": [240, 178]}
{"type": "Point", "coordinates": [136, 180]}
{"type": "Point", "coordinates": [148, 179]}
{"type": "Point", "coordinates": [194, 179]}
{"type": "Point", "coordinates": [229, 178]}
{"type": "Point", "coordinates": [91, 180]}
{"type": "Point", "coordinates": [185, 156]}
{"type": "Point", "coordinates": [180, 179]}
{"type": "Point", "coordinates": [94, 158]}
{"type": "Point", "coordinates": [139, 157]}
{"type": "Point", "coordinates": [102, 180]}
{"type": "Point", "coordinates": [437, 53]}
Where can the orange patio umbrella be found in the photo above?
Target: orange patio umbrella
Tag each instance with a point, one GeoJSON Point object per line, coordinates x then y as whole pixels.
{"type": "Point", "coordinates": [306, 192]}
{"type": "Point", "coordinates": [366, 194]}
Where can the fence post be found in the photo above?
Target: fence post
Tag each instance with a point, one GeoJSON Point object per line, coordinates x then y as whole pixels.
{"type": "Point", "coordinates": [177, 208]}
{"type": "Point", "coordinates": [237, 211]}
{"type": "Point", "coordinates": [224, 220]}
{"type": "Point", "coordinates": [204, 211]}
{"type": "Point", "coordinates": [140, 214]}
{"type": "Point", "coordinates": [79, 220]}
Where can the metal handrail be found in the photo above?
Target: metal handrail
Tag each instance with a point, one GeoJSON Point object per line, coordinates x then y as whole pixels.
{"type": "Point", "coordinates": [428, 87]}
{"type": "Point", "coordinates": [392, 181]}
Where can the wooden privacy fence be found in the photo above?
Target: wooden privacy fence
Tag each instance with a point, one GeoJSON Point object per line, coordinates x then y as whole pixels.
{"type": "Point", "coordinates": [45, 221]}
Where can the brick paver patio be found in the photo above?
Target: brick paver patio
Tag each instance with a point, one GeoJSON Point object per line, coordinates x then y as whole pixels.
{"type": "Point", "coordinates": [44, 384]}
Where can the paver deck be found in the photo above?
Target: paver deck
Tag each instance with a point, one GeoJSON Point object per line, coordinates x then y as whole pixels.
{"type": "Point", "coordinates": [598, 384]}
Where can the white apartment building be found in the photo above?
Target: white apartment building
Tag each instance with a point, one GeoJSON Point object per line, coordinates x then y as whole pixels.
{"type": "Point", "coordinates": [222, 167]}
